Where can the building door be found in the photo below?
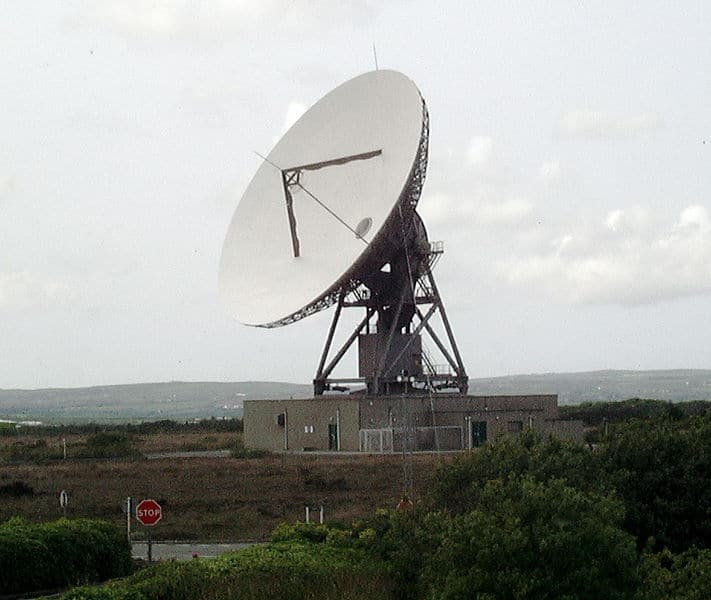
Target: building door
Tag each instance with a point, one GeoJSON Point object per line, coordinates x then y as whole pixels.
{"type": "Point", "coordinates": [478, 433]}
{"type": "Point", "coordinates": [333, 436]}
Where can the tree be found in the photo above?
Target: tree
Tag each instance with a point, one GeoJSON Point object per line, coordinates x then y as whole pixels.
{"type": "Point", "coordinates": [456, 487]}
{"type": "Point", "coordinates": [683, 576]}
{"type": "Point", "coordinates": [660, 470]}
{"type": "Point", "coordinates": [533, 539]}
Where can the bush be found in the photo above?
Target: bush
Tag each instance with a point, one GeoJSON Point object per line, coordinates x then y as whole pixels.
{"type": "Point", "coordinates": [456, 487]}
{"type": "Point", "coordinates": [285, 570]}
{"type": "Point", "coordinates": [58, 554]}
{"type": "Point", "coordinates": [660, 469]}
{"type": "Point", "coordinates": [16, 489]}
{"type": "Point", "coordinates": [240, 451]}
{"type": "Point", "coordinates": [677, 577]}
{"type": "Point", "coordinates": [530, 539]}
{"type": "Point", "coordinates": [596, 413]}
{"type": "Point", "coordinates": [109, 444]}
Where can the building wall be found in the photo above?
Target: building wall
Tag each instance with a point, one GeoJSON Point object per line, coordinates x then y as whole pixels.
{"type": "Point", "coordinates": [573, 430]}
{"type": "Point", "coordinates": [503, 415]}
{"type": "Point", "coordinates": [305, 425]}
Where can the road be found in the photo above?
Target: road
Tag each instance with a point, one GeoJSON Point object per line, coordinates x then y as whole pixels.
{"type": "Point", "coordinates": [184, 550]}
{"type": "Point", "coordinates": [189, 454]}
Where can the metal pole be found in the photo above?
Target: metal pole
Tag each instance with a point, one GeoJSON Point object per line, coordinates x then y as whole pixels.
{"type": "Point", "coordinates": [150, 546]}
{"type": "Point", "coordinates": [344, 348]}
{"type": "Point", "coordinates": [329, 338]}
{"type": "Point", "coordinates": [443, 313]}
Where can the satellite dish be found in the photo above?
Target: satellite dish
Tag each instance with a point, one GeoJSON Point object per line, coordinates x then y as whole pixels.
{"type": "Point", "coordinates": [330, 213]}
{"type": "Point", "coordinates": [299, 231]}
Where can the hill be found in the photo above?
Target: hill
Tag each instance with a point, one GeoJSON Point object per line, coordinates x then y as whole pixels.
{"type": "Point", "coordinates": [573, 388]}
{"type": "Point", "coordinates": [141, 401]}
{"type": "Point", "coordinates": [192, 400]}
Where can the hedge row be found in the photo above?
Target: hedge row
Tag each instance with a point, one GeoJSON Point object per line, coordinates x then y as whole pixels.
{"type": "Point", "coordinates": [285, 570]}
{"type": "Point", "coordinates": [60, 554]}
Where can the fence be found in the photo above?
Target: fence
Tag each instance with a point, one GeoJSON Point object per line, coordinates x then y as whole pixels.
{"type": "Point", "coordinates": [416, 439]}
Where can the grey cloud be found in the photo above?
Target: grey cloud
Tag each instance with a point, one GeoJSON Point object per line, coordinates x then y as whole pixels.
{"type": "Point", "coordinates": [597, 124]}
{"type": "Point", "coordinates": [22, 290]}
{"type": "Point", "coordinates": [616, 264]}
{"type": "Point", "coordinates": [217, 20]}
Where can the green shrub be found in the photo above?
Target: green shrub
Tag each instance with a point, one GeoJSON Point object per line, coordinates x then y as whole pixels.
{"type": "Point", "coordinates": [682, 576]}
{"type": "Point", "coordinates": [59, 554]}
{"type": "Point", "coordinates": [537, 540]}
{"type": "Point", "coordinates": [285, 570]}
{"type": "Point", "coordinates": [109, 444]}
{"type": "Point", "coordinates": [660, 469]}
{"type": "Point", "coordinates": [16, 489]}
{"type": "Point", "coordinates": [240, 451]}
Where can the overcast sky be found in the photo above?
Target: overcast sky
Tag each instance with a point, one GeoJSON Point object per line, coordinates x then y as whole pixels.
{"type": "Point", "coordinates": [569, 177]}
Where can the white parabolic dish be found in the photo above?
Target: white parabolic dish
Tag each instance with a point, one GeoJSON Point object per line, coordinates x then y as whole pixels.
{"type": "Point", "coordinates": [261, 280]}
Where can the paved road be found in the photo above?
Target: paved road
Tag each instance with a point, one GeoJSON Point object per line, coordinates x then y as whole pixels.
{"type": "Point", "coordinates": [184, 550]}
{"type": "Point", "coordinates": [190, 454]}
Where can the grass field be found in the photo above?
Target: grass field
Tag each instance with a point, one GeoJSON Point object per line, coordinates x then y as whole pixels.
{"type": "Point", "coordinates": [216, 499]}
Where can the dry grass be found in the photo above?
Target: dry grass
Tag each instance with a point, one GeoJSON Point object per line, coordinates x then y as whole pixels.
{"type": "Point", "coordinates": [146, 444]}
{"type": "Point", "coordinates": [221, 499]}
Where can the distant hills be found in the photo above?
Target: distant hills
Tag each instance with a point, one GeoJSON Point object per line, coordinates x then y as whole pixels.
{"type": "Point", "coordinates": [194, 400]}
{"type": "Point", "coordinates": [573, 388]}
{"type": "Point", "coordinates": [175, 400]}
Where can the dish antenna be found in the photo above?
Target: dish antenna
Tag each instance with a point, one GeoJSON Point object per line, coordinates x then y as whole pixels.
{"type": "Point", "coordinates": [329, 218]}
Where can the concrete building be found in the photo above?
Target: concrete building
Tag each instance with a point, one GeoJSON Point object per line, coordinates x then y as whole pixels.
{"type": "Point", "coordinates": [386, 423]}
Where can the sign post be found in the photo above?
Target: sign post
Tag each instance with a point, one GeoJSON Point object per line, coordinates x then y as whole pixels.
{"type": "Point", "coordinates": [127, 508]}
{"type": "Point", "coordinates": [63, 501]}
{"type": "Point", "coordinates": [148, 513]}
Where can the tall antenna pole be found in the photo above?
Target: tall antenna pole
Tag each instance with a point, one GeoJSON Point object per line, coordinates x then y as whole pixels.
{"type": "Point", "coordinates": [375, 56]}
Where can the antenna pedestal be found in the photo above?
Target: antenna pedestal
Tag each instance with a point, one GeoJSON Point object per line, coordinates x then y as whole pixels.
{"type": "Point", "coordinates": [391, 356]}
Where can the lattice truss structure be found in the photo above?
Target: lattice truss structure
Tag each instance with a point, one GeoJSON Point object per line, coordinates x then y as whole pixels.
{"type": "Point", "coordinates": [392, 358]}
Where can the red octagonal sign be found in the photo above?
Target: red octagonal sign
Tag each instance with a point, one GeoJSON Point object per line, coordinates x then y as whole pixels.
{"type": "Point", "coordinates": [148, 512]}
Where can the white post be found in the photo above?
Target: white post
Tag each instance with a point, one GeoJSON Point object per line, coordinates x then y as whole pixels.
{"type": "Point", "coordinates": [64, 447]}
{"type": "Point", "coordinates": [286, 432]}
{"type": "Point", "coordinates": [320, 515]}
{"type": "Point", "coordinates": [128, 519]}
{"type": "Point", "coordinates": [338, 429]}
{"type": "Point", "coordinates": [307, 514]}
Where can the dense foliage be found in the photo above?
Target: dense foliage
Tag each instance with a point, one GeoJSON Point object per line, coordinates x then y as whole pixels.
{"type": "Point", "coordinates": [661, 471]}
{"type": "Point", "coordinates": [657, 468]}
{"type": "Point", "coordinates": [105, 444]}
{"type": "Point", "coordinates": [165, 426]}
{"type": "Point", "coordinates": [597, 413]}
{"type": "Point", "coordinates": [527, 517]}
{"type": "Point", "coordinates": [285, 570]}
{"type": "Point", "coordinates": [59, 554]}
{"type": "Point", "coordinates": [685, 576]}
{"type": "Point", "coordinates": [528, 539]}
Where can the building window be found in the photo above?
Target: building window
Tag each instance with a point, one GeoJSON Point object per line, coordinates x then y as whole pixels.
{"type": "Point", "coordinates": [515, 426]}
{"type": "Point", "coordinates": [308, 428]}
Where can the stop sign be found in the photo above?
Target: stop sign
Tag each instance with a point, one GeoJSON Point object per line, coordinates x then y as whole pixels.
{"type": "Point", "coordinates": [148, 512]}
